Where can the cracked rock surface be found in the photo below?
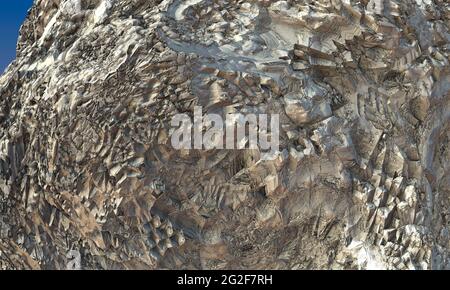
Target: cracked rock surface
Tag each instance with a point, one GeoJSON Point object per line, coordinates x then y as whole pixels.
{"type": "Point", "coordinates": [361, 180]}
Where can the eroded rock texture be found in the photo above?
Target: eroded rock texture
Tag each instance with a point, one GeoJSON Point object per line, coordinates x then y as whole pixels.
{"type": "Point", "coordinates": [361, 180]}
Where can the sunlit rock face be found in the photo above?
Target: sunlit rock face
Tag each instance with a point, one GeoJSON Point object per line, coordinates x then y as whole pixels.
{"type": "Point", "coordinates": [361, 179]}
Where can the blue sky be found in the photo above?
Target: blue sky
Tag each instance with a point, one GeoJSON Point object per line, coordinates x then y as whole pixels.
{"type": "Point", "coordinates": [12, 14]}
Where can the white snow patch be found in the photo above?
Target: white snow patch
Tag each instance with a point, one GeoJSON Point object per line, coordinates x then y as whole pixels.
{"type": "Point", "coordinates": [183, 6]}
{"type": "Point", "coordinates": [48, 27]}
{"type": "Point", "coordinates": [102, 11]}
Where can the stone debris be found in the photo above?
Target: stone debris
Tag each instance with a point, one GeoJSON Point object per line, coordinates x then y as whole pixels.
{"type": "Point", "coordinates": [360, 180]}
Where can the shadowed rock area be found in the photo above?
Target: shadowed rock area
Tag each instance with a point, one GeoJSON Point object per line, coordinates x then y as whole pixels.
{"type": "Point", "coordinates": [89, 178]}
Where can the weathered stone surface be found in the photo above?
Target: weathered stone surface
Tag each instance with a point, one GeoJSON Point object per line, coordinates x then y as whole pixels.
{"type": "Point", "coordinates": [361, 179]}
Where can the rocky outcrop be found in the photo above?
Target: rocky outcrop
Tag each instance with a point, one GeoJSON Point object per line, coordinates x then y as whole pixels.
{"type": "Point", "coordinates": [361, 179]}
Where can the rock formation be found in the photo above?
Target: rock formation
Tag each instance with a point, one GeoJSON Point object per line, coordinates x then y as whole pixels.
{"type": "Point", "coordinates": [361, 180]}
